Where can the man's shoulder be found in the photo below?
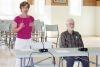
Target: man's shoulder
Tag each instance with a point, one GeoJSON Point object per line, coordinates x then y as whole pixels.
{"type": "Point", "coordinates": [64, 32]}
{"type": "Point", "coordinates": [77, 33]}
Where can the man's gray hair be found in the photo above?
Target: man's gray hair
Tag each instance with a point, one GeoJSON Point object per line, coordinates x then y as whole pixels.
{"type": "Point", "coordinates": [69, 19]}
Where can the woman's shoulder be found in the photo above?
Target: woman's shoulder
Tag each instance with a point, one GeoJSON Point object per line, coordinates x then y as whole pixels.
{"type": "Point", "coordinates": [17, 19]}
{"type": "Point", "coordinates": [16, 16]}
{"type": "Point", "coordinates": [31, 16]}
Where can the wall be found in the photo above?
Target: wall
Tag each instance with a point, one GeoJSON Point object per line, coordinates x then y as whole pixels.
{"type": "Point", "coordinates": [84, 24]}
{"type": "Point", "coordinates": [87, 24]}
{"type": "Point", "coordinates": [45, 16]}
{"type": "Point", "coordinates": [98, 21]}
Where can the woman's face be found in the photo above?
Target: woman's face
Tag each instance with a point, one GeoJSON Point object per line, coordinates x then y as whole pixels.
{"type": "Point", "coordinates": [24, 9]}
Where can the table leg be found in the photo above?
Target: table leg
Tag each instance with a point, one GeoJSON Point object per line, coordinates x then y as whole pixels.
{"type": "Point", "coordinates": [97, 61]}
{"type": "Point", "coordinates": [21, 62]}
{"type": "Point", "coordinates": [24, 59]}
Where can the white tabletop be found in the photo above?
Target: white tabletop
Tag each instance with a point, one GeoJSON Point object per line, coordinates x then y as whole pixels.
{"type": "Point", "coordinates": [67, 52]}
{"type": "Point", "coordinates": [94, 51]}
{"type": "Point", "coordinates": [58, 52]}
{"type": "Point", "coordinates": [26, 53]}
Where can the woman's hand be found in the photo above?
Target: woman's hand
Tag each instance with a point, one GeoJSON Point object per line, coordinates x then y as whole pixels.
{"type": "Point", "coordinates": [31, 24]}
{"type": "Point", "coordinates": [21, 25]}
{"type": "Point", "coordinates": [14, 27]}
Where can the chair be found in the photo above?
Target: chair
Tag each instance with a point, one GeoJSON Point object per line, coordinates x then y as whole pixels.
{"type": "Point", "coordinates": [13, 36]}
{"type": "Point", "coordinates": [5, 29]}
{"type": "Point", "coordinates": [52, 31]}
{"type": "Point", "coordinates": [38, 34]}
{"type": "Point", "coordinates": [2, 42]}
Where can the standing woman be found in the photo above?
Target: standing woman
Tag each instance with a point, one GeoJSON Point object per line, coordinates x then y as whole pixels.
{"type": "Point", "coordinates": [23, 26]}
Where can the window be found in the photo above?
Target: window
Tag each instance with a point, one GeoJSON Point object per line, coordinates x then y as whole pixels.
{"type": "Point", "coordinates": [39, 6]}
{"type": "Point", "coordinates": [6, 7]}
{"type": "Point", "coordinates": [9, 8]}
{"type": "Point", "coordinates": [75, 7]}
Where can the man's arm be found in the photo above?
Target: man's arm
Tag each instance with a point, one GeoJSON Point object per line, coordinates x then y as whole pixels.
{"type": "Point", "coordinates": [80, 41]}
{"type": "Point", "coordinates": [62, 42]}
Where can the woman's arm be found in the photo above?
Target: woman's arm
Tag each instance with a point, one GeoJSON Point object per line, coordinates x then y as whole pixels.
{"type": "Point", "coordinates": [14, 27]}
{"type": "Point", "coordinates": [32, 25]}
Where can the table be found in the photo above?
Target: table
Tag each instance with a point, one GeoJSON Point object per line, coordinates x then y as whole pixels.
{"type": "Point", "coordinates": [59, 52]}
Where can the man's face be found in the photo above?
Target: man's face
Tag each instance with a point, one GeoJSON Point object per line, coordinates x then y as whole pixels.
{"type": "Point", "coordinates": [70, 25]}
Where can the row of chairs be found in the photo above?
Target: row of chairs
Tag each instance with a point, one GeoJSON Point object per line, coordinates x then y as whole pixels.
{"type": "Point", "coordinates": [46, 32]}
{"type": "Point", "coordinates": [5, 31]}
{"type": "Point", "coordinates": [42, 32]}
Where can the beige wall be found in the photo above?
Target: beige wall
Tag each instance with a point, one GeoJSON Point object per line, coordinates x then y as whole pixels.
{"type": "Point", "coordinates": [98, 21]}
{"type": "Point", "coordinates": [46, 16]}
{"type": "Point", "coordinates": [84, 24]}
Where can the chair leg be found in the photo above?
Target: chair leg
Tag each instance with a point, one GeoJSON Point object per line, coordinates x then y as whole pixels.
{"type": "Point", "coordinates": [54, 60]}
{"type": "Point", "coordinates": [78, 64]}
{"type": "Point", "coordinates": [61, 62]}
{"type": "Point", "coordinates": [57, 43]}
{"type": "Point", "coordinates": [32, 61]}
{"type": "Point", "coordinates": [23, 62]}
{"type": "Point", "coordinates": [45, 39]}
{"type": "Point", "coordinates": [10, 41]}
{"type": "Point", "coordinates": [21, 59]}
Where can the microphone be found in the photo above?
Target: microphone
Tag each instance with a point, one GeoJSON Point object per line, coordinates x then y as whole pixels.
{"type": "Point", "coordinates": [83, 49]}
{"type": "Point", "coordinates": [43, 49]}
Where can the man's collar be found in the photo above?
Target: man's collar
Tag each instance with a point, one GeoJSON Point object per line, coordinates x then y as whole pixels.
{"type": "Point", "coordinates": [70, 33]}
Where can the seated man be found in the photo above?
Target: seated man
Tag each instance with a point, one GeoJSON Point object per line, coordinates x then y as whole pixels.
{"type": "Point", "coordinates": [72, 39]}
